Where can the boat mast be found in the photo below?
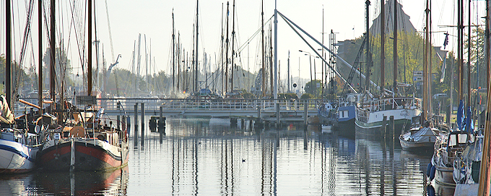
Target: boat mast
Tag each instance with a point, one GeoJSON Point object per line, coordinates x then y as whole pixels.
{"type": "Point", "coordinates": [275, 82]}
{"type": "Point", "coordinates": [425, 64]}
{"type": "Point", "coordinates": [263, 89]}
{"type": "Point", "coordinates": [8, 63]}
{"type": "Point", "coordinates": [271, 59]}
{"type": "Point", "coordinates": [196, 61]}
{"type": "Point", "coordinates": [369, 56]}
{"type": "Point", "coordinates": [323, 78]}
{"type": "Point", "coordinates": [226, 55]}
{"type": "Point", "coordinates": [395, 47]}
{"type": "Point", "coordinates": [40, 53]}
{"type": "Point", "coordinates": [469, 43]}
{"type": "Point", "coordinates": [382, 45]}
{"type": "Point", "coordinates": [460, 47]}
{"type": "Point", "coordinates": [53, 49]}
{"type": "Point", "coordinates": [484, 176]}
{"type": "Point", "coordinates": [233, 51]}
{"type": "Point", "coordinates": [221, 48]}
{"type": "Point", "coordinates": [173, 54]}
{"type": "Point", "coordinates": [429, 65]}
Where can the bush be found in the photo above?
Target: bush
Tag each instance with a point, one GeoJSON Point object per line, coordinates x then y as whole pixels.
{"type": "Point", "coordinates": [307, 96]}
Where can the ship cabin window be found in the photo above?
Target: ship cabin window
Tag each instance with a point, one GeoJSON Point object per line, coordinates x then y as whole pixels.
{"type": "Point", "coordinates": [345, 114]}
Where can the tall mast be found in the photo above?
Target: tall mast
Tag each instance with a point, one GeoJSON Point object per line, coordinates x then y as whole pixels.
{"type": "Point", "coordinates": [8, 65]}
{"type": "Point", "coordinates": [233, 51]}
{"type": "Point", "coordinates": [368, 58]}
{"type": "Point", "coordinates": [288, 72]}
{"type": "Point", "coordinates": [263, 89]}
{"type": "Point", "coordinates": [430, 54]}
{"type": "Point", "coordinates": [382, 45]}
{"type": "Point", "coordinates": [271, 59]}
{"type": "Point", "coordinates": [53, 49]}
{"type": "Point", "coordinates": [226, 55]}
{"type": "Point", "coordinates": [196, 61]}
{"type": "Point", "coordinates": [469, 43]}
{"type": "Point", "coordinates": [425, 64]}
{"type": "Point", "coordinates": [221, 48]}
{"type": "Point", "coordinates": [40, 54]}
{"type": "Point", "coordinates": [173, 54]}
{"type": "Point", "coordinates": [134, 62]}
{"type": "Point", "coordinates": [395, 47]}
{"type": "Point", "coordinates": [275, 56]}
{"type": "Point", "coordinates": [484, 176]}
{"type": "Point", "coordinates": [323, 74]}
{"type": "Point", "coordinates": [139, 61]}
{"type": "Point", "coordinates": [146, 60]}
{"type": "Point", "coordinates": [460, 47]}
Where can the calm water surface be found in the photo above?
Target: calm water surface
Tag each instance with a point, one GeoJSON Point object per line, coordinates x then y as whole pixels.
{"type": "Point", "coordinates": [208, 157]}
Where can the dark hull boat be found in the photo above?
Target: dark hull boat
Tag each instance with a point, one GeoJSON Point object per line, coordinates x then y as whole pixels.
{"type": "Point", "coordinates": [82, 154]}
{"type": "Point", "coordinates": [75, 148]}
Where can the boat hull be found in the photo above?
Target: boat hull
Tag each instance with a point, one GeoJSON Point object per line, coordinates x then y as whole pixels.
{"type": "Point", "coordinates": [408, 145]}
{"type": "Point", "coordinates": [345, 128]}
{"type": "Point", "coordinates": [16, 157]}
{"type": "Point", "coordinates": [444, 175]}
{"type": "Point", "coordinates": [89, 155]}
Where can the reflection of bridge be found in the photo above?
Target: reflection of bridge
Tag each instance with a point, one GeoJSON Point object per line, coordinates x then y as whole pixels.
{"type": "Point", "coordinates": [289, 110]}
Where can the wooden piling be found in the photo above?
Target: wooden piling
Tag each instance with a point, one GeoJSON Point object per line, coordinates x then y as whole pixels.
{"type": "Point", "coordinates": [393, 126]}
{"type": "Point", "coordinates": [143, 119]}
{"type": "Point", "coordinates": [384, 126]}
{"type": "Point", "coordinates": [118, 118]}
{"type": "Point", "coordinates": [277, 114]}
{"type": "Point", "coordinates": [305, 111]}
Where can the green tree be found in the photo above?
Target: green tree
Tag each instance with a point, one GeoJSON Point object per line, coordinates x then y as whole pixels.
{"type": "Point", "coordinates": [314, 87]}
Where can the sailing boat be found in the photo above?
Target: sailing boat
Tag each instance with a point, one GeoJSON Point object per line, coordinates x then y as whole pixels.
{"type": "Point", "coordinates": [422, 137]}
{"type": "Point", "coordinates": [372, 111]}
{"type": "Point", "coordinates": [85, 142]}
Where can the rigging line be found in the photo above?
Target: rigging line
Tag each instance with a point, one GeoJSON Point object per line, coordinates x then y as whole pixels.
{"type": "Point", "coordinates": [317, 53]}
{"type": "Point", "coordinates": [337, 56]}
{"type": "Point", "coordinates": [110, 34]}
{"type": "Point", "coordinates": [72, 8]}
{"type": "Point", "coordinates": [254, 35]}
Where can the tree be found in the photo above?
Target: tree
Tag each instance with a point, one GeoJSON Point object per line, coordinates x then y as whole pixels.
{"type": "Point", "coordinates": [314, 87]}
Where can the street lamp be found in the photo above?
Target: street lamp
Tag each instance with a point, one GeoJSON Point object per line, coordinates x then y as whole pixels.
{"type": "Point", "coordinates": [310, 61]}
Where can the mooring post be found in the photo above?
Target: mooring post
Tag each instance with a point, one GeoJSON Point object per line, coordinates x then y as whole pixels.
{"type": "Point", "coordinates": [128, 123]}
{"type": "Point", "coordinates": [393, 126]}
{"type": "Point", "coordinates": [118, 118]}
{"type": "Point", "coordinates": [259, 112]}
{"type": "Point", "coordinates": [250, 123]}
{"type": "Point", "coordinates": [143, 118]}
{"type": "Point", "coordinates": [384, 126]}
{"type": "Point", "coordinates": [305, 111]}
{"type": "Point", "coordinates": [136, 116]}
{"type": "Point", "coordinates": [161, 119]}
{"type": "Point", "coordinates": [277, 113]}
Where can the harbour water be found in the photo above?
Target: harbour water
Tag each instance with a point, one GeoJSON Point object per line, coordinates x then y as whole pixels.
{"type": "Point", "coordinates": [209, 157]}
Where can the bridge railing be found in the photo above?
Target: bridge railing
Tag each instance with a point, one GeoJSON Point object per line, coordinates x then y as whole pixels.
{"type": "Point", "coordinates": [194, 104]}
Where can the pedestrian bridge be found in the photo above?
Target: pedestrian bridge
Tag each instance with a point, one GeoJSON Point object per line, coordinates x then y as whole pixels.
{"type": "Point", "coordinates": [263, 108]}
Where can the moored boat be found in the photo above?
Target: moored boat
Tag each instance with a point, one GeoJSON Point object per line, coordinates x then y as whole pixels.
{"type": "Point", "coordinates": [419, 138]}
{"type": "Point", "coordinates": [93, 148]}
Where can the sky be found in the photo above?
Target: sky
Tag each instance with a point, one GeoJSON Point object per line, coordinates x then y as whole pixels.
{"type": "Point", "coordinates": [153, 19]}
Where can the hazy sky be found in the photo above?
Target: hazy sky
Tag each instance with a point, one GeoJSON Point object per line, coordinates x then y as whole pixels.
{"type": "Point", "coordinates": [152, 18]}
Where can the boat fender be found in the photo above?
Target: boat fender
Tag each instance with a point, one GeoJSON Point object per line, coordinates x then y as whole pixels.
{"type": "Point", "coordinates": [432, 172]}
{"type": "Point", "coordinates": [428, 169]}
{"type": "Point", "coordinates": [430, 190]}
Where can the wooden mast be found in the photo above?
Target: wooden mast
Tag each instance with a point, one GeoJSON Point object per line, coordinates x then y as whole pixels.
{"type": "Point", "coordinates": [40, 54]}
{"type": "Point", "coordinates": [263, 89]}
{"type": "Point", "coordinates": [233, 51]}
{"type": "Point", "coordinates": [425, 64]}
{"type": "Point", "coordinates": [395, 47]}
{"type": "Point", "coordinates": [53, 51]}
{"type": "Point", "coordinates": [368, 56]}
{"type": "Point", "coordinates": [173, 54]}
{"type": "Point", "coordinates": [221, 48]}
{"type": "Point", "coordinates": [89, 50]}
{"type": "Point", "coordinates": [226, 55]}
{"type": "Point", "coordinates": [484, 176]}
{"type": "Point", "coordinates": [382, 45]}
{"type": "Point", "coordinates": [196, 57]}
{"type": "Point", "coordinates": [8, 62]}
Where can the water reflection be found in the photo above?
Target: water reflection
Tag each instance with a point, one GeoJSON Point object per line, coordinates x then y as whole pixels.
{"type": "Point", "coordinates": [66, 183]}
{"type": "Point", "coordinates": [209, 157]}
